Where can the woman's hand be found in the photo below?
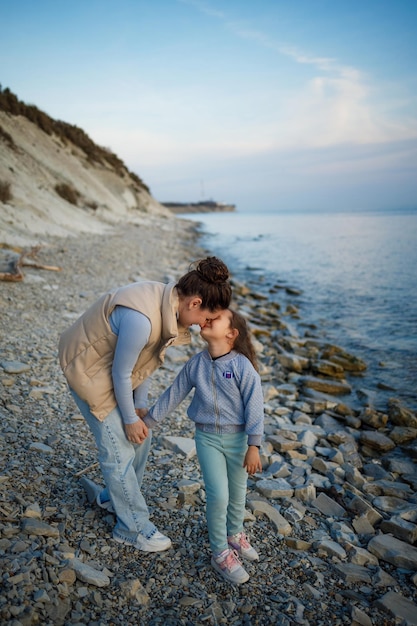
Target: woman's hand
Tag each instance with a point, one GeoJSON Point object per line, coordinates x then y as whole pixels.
{"type": "Point", "coordinates": [252, 460]}
{"type": "Point", "coordinates": [137, 432]}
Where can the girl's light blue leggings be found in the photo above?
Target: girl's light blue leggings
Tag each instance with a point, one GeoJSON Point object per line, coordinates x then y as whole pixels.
{"type": "Point", "coordinates": [221, 461]}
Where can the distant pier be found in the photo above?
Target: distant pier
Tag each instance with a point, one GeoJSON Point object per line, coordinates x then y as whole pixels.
{"type": "Point", "coordinates": [208, 206]}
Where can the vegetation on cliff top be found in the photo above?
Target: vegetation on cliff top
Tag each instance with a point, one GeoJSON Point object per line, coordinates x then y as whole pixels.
{"type": "Point", "coordinates": [11, 104]}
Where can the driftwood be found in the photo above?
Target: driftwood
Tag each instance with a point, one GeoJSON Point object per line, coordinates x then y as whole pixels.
{"type": "Point", "coordinates": [23, 258]}
{"type": "Point", "coordinates": [86, 469]}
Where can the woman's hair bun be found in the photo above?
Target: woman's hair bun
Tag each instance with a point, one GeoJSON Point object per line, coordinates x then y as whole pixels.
{"type": "Point", "coordinates": [212, 270]}
{"type": "Point", "coordinates": [208, 279]}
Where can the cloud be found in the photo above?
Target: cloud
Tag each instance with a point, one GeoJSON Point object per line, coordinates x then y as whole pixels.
{"type": "Point", "coordinates": [204, 7]}
{"type": "Point", "coordinates": [337, 103]}
{"type": "Point", "coordinates": [323, 63]}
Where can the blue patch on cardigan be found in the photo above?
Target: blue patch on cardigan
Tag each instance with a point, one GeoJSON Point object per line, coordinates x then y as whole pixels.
{"type": "Point", "coordinates": [228, 374]}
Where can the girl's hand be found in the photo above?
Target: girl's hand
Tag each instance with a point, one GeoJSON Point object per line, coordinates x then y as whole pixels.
{"type": "Point", "coordinates": [137, 432]}
{"type": "Point", "coordinates": [252, 460]}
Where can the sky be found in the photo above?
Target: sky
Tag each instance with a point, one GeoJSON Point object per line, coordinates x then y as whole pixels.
{"type": "Point", "coordinates": [270, 105]}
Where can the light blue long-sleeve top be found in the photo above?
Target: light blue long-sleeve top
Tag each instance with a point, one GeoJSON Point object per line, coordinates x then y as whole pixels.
{"type": "Point", "coordinates": [133, 330]}
{"type": "Point", "coordinates": [227, 396]}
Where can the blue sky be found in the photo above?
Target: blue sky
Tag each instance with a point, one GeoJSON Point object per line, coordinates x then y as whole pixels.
{"type": "Point", "coordinates": [271, 105]}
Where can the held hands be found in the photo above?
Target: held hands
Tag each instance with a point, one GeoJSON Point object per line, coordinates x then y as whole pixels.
{"type": "Point", "coordinates": [138, 431]}
{"type": "Point", "coordinates": [252, 460]}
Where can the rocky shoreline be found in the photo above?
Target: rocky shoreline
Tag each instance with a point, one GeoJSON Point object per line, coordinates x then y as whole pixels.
{"type": "Point", "coordinates": [333, 515]}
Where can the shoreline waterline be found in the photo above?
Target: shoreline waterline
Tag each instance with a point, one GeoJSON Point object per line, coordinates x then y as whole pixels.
{"type": "Point", "coordinates": [359, 294]}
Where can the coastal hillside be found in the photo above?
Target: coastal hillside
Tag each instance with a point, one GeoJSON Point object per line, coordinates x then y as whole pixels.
{"type": "Point", "coordinates": [55, 180]}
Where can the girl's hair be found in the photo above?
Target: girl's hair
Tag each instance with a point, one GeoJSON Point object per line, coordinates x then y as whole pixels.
{"type": "Point", "coordinates": [243, 342]}
{"type": "Point", "coordinates": [208, 279]}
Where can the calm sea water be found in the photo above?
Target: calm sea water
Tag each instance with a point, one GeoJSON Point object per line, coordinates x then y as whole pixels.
{"type": "Point", "coordinates": [358, 276]}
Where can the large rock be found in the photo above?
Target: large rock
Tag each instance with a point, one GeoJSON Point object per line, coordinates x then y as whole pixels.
{"type": "Point", "coordinates": [260, 507]}
{"type": "Point", "coordinates": [275, 488]}
{"type": "Point", "coordinates": [293, 362]}
{"type": "Point", "coordinates": [394, 551]}
{"type": "Point", "coordinates": [32, 526]}
{"type": "Point", "coordinates": [327, 368]}
{"type": "Point", "coordinates": [400, 528]}
{"type": "Point", "coordinates": [89, 574]}
{"type": "Point", "coordinates": [328, 507]}
{"type": "Point", "coordinates": [349, 362]}
{"type": "Point", "coordinates": [181, 445]}
{"type": "Point", "coordinates": [283, 444]}
{"type": "Point", "coordinates": [400, 415]}
{"type": "Point", "coordinates": [326, 385]}
{"type": "Point", "coordinates": [403, 611]}
{"type": "Point", "coordinates": [376, 441]}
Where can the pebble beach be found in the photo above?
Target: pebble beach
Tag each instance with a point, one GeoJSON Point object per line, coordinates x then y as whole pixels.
{"type": "Point", "coordinates": [333, 515]}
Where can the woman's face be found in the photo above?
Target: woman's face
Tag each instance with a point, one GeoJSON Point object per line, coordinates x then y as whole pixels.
{"type": "Point", "coordinates": [190, 312]}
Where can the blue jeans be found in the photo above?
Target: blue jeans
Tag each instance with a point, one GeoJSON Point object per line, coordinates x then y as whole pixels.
{"type": "Point", "coordinates": [221, 461]}
{"type": "Point", "coordinates": [122, 464]}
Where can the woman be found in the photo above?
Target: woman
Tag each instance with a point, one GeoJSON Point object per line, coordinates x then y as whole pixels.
{"type": "Point", "coordinates": [107, 356]}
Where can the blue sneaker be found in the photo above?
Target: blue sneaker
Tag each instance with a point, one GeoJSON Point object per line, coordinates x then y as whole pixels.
{"type": "Point", "coordinates": [94, 492]}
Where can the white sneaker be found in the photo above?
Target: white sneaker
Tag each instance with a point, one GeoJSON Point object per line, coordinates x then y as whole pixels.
{"type": "Point", "coordinates": [228, 565]}
{"type": "Point", "coordinates": [155, 542]}
{"type": "Point", "coordinates": [240, 543]}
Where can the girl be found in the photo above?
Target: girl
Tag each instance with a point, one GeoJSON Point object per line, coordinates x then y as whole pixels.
{"type": "Point", "coordinates": [227, 408]}
{"type": "Point", "coordinates": [107, 356]}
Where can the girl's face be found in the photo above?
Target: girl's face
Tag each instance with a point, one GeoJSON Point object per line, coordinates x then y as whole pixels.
{"type": "Point", "coordinates": [219, 327]}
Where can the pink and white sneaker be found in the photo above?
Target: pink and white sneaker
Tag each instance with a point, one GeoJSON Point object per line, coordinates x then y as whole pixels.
{"type": "Point", "coordinates": [228, 565]}
{"type": "Point", "coordinates": [240, 543]}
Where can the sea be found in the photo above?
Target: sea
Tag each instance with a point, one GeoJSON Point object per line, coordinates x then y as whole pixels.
{"type": "Point", "coordinates": [357, 277]}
